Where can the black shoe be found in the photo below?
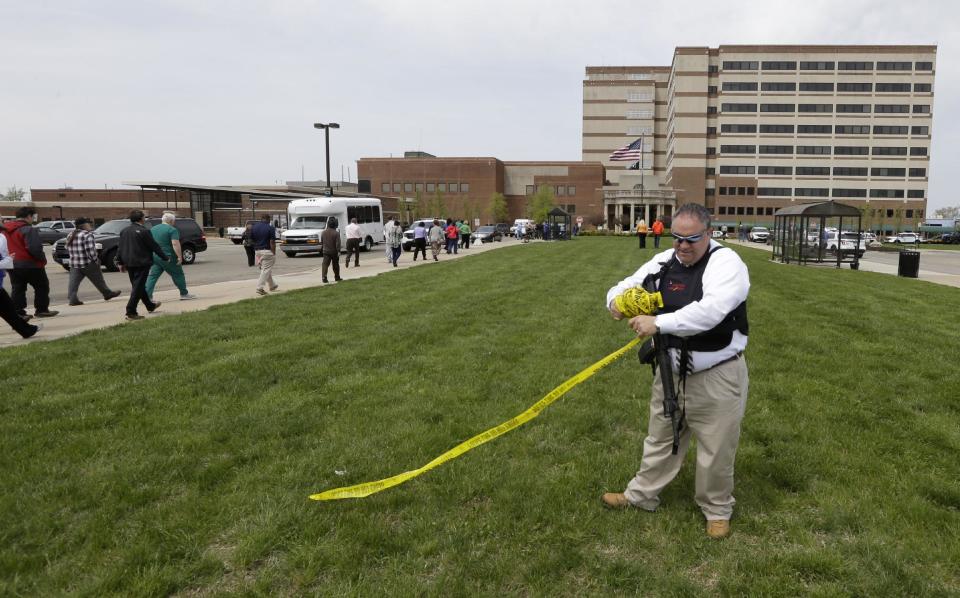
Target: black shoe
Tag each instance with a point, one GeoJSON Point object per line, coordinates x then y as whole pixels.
{"type": "Point", "coordinates": [325, 281]}
{"type": "Point", "coordinates": [133, 317]}
{"type": "Point", "coordinates": [46, 314]}
{"type": "Point", "coordinates": [111, 295]}
{"type": "Point", "coordinates": [35, 330]}
{"type": "Point", "coordinates": [337, 279]}
{"type": "Point", "coordinates": [76, 303]}
{"type": "Point", "coordinates": [154, 308]}
{"type": "Point", "coordinates": [347, 265]}
{"type": "Point", "coordinates": [436, 259]}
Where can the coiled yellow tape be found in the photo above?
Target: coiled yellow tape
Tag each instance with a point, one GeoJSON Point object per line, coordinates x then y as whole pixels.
{"type": "Point", "coordinates": [368, 488]}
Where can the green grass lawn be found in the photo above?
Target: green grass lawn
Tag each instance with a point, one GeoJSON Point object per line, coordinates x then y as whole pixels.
{"type": "Point", "coordinates": [176, 455]}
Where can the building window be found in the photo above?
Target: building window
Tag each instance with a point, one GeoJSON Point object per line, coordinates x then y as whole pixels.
{"type": "Point", "coordinates": [408, 187]}
{"type": "Point", "coordinates": [889, 130]}
{"type": "Point", "coordinates": [571, 190]}
{"type": "Point", "coordinates": [779, 65]}
{"type": "Point", "coordinates": [776, 149]}
{"type": "Point", "coordinates": [923, 66]}
{"type": "Point", "coordinates": [921, 108]}
{"type": "Point", "coordinates": [891, 109]}
{"type": "Point", "coordinates": [738, 128]}
{"type": "Point", "coordinates": [711, 151]}
{"type": "Point", "coordinates": [811, 192]}
{"type": "Point", "coordinates": [560, 190]}
{"type": "Point", "coordinates": [419, 187]}
{"type": "Point", "coordinates": [855, 66]}
{"type": "Point", "coordinates": [909, 213]}
{"type": "Point", "coordinates": [454, 187]}
{"type": "Point", "coordinates": [774, 191]}
{"type": "Point", "coordinates": [918, 151]}
{"type": "Point", "coordinates": [750, 191]}
{"type": "Point", "coordinates": [816, 66]}
{"type": "Point", "coordinates": [776, 170]}
{"type": "Point", "coordinates": [442, 187]}
{"type": "Point", "coordinates": [815, 108]}
{"type": "Point", "coordinates": [849, 192]}
{"type": "Point", "coordinates": [740, 65]}
{"type": "Point", "coordinates": [384, 187]}
{"type": "Point", "coordinates": [777, 107]}
{"type": "Point", "coordinates": [396, 187]}
{"type": "Point", "coordinates": [431, 187]}
{"type": "Point", "coordinates": [713, 68]}
{"type": "Point", "coordinates": [749, 210]}
{"type": "Point", "coordinates": [922, 88]}
{"type": "Point", "coordinates": [849, 171]}
{"type": "Point", "coordinates": [888, 172]}
{"type": "Point", "coordinates": [816, 86]}
{"type": "Point", "coordinates": [893, 88]}
{"type": "Point", "coordinates": [924, 130]}
{"type": "Point", "coordinates": [915, 193]}
{"type": "Point", "coordinates": [894, 66]}
{"type": "Point", "coordinates": [732, 107]}
{"type": "Point", "coordinates": [736, 170]}
{"type": "Point", "coordinates": [855, 87]}
{"type": "Point", "coordinates": [777, 129]}
{"type": "Point", "coordinates": [769, 211]}
{"type": "Point", "coordinates": [711, 130]}
{"type": "Point", "coordinates": [464, 187]}
{"type": "Point", "coordinates": [887, 193]}
{"type": "Point", "coordinates": [739, 86]}
{"type": "Point", "coordinates": [711, 90]}
{"type": "Point", "coordinates": [778, 86]}
{"type": "Point", "coordinates": [852, 130]}
{"type": "Point", "coordinates": [738, 149]}
{"type": "Point", "coordinates": [639, 114]}
{"type": "Point", "coordinates": [813, 171]}
{"type": "Point", "coordinates": [530, 190]}
{"type": "Point", "coordinates": [889, 213]}
{"type": "Point", "coordinates": [814, 129]}
{"type": "Point", "coordinates": [851, 150]}
{"type": "Point", "coordinates": [710, 191]}
{"type": "Point", "coordinates": [723, 190]}
{"type": "Point", "coordinates": [853, 108]}
{"type": "Point", "coordinates": [722, 210]}
{"type": "Point", "coordinates": [914, 172]}
{"type": "Point", "coordinates": [889, 151]}
{"type": "Point", "coordinates": [711, 109]}
{"type": "Point", "coordinates": [741, 190]}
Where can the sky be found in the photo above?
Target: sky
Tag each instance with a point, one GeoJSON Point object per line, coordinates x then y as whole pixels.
{"type": "Point", "coordinates": [94, 93]}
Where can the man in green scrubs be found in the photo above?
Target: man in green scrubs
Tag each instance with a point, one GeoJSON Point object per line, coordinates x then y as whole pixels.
{"type": "Point", "coordinates": [168, 238]}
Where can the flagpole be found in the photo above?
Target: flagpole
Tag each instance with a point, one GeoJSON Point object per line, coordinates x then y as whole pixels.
{"type": "Point", "coordinates": [642, 201]}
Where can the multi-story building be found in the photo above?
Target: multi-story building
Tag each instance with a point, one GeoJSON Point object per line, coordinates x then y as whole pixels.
{"type": "Point", "coordinates": [746, 130]}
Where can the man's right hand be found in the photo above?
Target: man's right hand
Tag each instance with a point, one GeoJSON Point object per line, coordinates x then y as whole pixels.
{"type": "Point", "coordinates": [615, 312]}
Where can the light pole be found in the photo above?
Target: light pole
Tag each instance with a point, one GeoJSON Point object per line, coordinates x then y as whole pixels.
{"type": "Point", "coordinates": [61, 210]}
{"type": "Point", "coordinates": [326, 133]}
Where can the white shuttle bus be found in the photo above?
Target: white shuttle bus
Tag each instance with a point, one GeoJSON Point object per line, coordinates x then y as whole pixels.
{"type": "Point", "coordinates": [308, 217]}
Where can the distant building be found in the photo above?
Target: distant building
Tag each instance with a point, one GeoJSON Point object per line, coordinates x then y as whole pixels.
{"type": "Point", "coordinates": [746, 130]}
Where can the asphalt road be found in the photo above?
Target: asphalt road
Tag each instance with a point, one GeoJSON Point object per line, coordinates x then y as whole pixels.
{"type": "Point", "coordinates": [222, 261]}
{"type": "Point", "coordinates": [943, 261]}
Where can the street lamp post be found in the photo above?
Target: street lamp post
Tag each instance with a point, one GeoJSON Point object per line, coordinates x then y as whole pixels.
{"type": "Point", "coordinates": [61, 210]}
{"type": "Point", "coordinates": [326, 133]}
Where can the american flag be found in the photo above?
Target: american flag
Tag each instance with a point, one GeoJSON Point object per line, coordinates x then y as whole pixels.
{"type": "Point", "coordinates": [631, 152]}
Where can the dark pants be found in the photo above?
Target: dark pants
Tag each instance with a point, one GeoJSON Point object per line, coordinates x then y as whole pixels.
{"type": "Point", "coordinates": [9, 314]}
{"type": "Point", "coordinates": [643, 240]}
{"type": "Point", "coordinates": [251, 255]}
{"type": "Point", "coordinates": [395, 254]}
{"type": "Point", "coordinates": [36, 278]}
{"type": "Point", "coordinates": [329, 258]}
{"type": "Point", "coordinates": [656, 240]}
{"type": "Point", "coordinates": [465, 241]}
{"type": "Point", "coordinates": [353, 248]}
{"type": "Point", "coordinates": [92, 273]}
{"type": "Point", "coordinates": [419, 246]}
{"type": "Point", "coordinates": [138, 291]}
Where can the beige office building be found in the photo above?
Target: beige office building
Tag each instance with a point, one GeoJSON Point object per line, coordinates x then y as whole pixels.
{"type": "Point", "coordinates": [746, 130]}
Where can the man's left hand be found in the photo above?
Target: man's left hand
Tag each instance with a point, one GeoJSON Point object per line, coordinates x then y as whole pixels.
{"type": "Point", "coordinates": [644, 325]}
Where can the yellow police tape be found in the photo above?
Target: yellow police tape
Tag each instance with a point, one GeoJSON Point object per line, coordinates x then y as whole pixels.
{"type": "Point", "coordinates": [368, 488]}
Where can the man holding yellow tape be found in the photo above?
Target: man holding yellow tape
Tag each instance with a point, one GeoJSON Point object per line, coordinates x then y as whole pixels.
{"type": "Point", "coordinates": [704, 324]}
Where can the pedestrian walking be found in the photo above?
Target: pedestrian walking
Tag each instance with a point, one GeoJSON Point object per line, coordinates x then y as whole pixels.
{"type": "Point", "coordinates": [465, 235]}
{"type": "Point", "coordinates": [657, 232]}
{"type": "Point", "coordinates": [353, 242]}
{"type": "Point", "coordinates": [451, 234]}
{"type": "Point", "coordinates": [84, 262]}
{"type": "Point", "coordinates": [386, 231]}
{"type": "Point", "coordinates": [642, 233]}
{"type": "Point", "coordinates": [247, 241]}
{"type": "Point", "coordinates": [135, 254]}
{"type": "Point", "coordinates": [264, 237]}
{"type": "Point", "coordinates": [7, 310]}
{"type": "Point", "coordinates": [168, 238]}
{"type": "Point", "coordinates": [435, 236]}
{"type": "Point", "coordinates": [29, 265]}
{"type": "Point", "coordinates": [395, 241]}
{"type": "Point", "coordinates": [330, 246]}
{"type": "Point", "coordinates": [419, 240]}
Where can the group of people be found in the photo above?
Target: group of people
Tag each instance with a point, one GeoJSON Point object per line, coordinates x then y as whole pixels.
{"type": "Point", "coordinates": [643, 231]}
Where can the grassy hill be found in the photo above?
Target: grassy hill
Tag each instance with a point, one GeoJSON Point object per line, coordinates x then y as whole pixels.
{"type": "Point", "coordinates": [175, 456]}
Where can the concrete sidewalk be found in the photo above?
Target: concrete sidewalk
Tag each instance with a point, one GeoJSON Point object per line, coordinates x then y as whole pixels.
{"type": "Point", "coordinates": [102, 314]}
{"type": "Point", "coordinates": [868, 265]}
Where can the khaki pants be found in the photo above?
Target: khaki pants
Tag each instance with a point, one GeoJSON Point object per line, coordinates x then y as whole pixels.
{"type": "Point", "coordinates": [715, 403]}
{"type": "Point", "coordinates": [267, 259]}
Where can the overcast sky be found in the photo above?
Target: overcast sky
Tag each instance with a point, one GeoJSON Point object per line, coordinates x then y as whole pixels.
{"type": "Point", "coordinates": [93, 93]}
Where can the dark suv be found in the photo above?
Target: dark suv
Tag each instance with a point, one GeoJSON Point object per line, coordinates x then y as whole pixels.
{"type": "Point", "coordinates": [107, 236]}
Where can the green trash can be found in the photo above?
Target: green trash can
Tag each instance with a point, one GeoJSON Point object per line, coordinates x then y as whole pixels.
{"type": "Point", "coordinates": [909, 266]}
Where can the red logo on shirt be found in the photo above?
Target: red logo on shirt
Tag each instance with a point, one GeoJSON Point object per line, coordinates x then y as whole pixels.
{"type": "Point", "coordinates": [675, 287]}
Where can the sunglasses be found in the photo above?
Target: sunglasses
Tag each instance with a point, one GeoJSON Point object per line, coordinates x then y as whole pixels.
{"type": "Point", "coordinates": [689, 239]}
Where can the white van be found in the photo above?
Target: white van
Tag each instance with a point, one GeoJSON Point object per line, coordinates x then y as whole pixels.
{"type": "Point", "coordinates": [308, 218]}
{"type": "Point", "coordinates": [527, 225]}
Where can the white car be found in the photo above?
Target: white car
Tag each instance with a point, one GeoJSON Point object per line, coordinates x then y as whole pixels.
{"type": "Point", "coordinates": [904, 238]}
{"type": "Point", "coordinates": [759, 234]}
{"type": "Point", "coordinates": [846, 241]}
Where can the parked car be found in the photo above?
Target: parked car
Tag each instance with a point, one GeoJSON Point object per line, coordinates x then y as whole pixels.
{"type": "Point", "coordinates": [847, 242]}
{"type": "Point", "coordinates": [107, 237]}
{"type": "Point", "coordinates": [904, 238]}
{"type": "Point", "coordinates": [950, 238]}
{"type": "Point", "coordinates": [487, 234]}
{"type": "Point", "coordinates": [52, 231]}
{"type": "Point", "coordinates": [526, 222]}
{"type": "Point", "coordinates": [407, 242]}
{"type": "Point", "coordinates": [503, 228]}
{"type": "Point", "coordinates": [759, 234]}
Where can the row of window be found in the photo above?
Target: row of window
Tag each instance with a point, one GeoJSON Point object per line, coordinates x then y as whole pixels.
{"type": "Point", "coordinates": [823, 129]}
{"type": "Point", "coordinates": [840, 108]}
{"type": "Point", "coordinates": [844, 86]}
{"type": "Point", "coordinates": [428, 187]}
{"type": "Point", "coordinates": [820, 150]}
{"type": "Point", "coordinates": [558, 190]}
{"type": "Point", "coordinates": [769, 211]}
{"type": "Point", "coordinates": [821, 192]}
{"type": "Point", "coordinates": [844, 171]}
{"type": "Point", "coordinates": [791, 65]}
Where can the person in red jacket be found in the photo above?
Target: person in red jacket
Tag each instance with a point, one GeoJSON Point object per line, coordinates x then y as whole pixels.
{"type": "Point", "coordinates": [657, 231]}
{"type": "Point", "coordinates": [452, 232]}
{"type": "Point", "coordinates": [29, 265]}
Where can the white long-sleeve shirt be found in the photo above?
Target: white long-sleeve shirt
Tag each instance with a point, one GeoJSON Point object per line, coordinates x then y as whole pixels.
{"type": "Point", "coordinates": [353, 231]}
{"type": "Point", "coordinates": [6, 260]}
{"type": "Point", "coordinates": [726, 284]}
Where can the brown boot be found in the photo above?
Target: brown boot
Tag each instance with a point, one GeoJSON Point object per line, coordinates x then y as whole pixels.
{"type": "Point", "coordinates": [615, 500]}
{"type": "Point", "coordinates": [718, 528]}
